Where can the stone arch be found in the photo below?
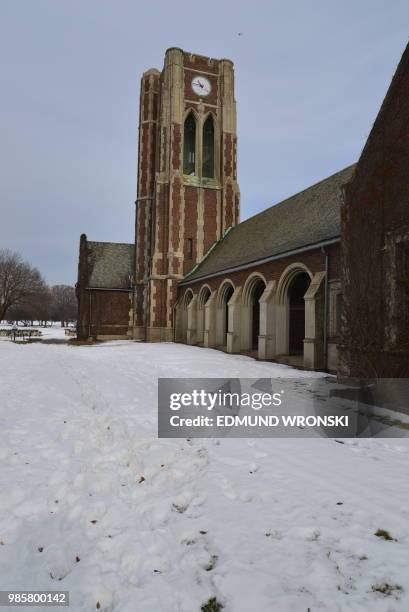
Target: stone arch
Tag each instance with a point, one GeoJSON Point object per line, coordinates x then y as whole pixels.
{"type": "Point", "coordinates": [290, 308]}
{"type": "Point", "coordinates": [254, 288]}
{"type": "Point", "coordinates": [224, 295]}
{"type": "Point", "coordinates": [286, 278]}
{"type": "Point", "coordinates": [213, 117]}
{"type": "Point", "coordinates": [248, 288]}
{"type": "Point", "coordinates": [187, 298]}
{"type": "Point", "coordinates": [191, 111]}
{"type": "Point", "coordinates": [221, 293]}
{"type": "Point", "coordinates": [204, 295]}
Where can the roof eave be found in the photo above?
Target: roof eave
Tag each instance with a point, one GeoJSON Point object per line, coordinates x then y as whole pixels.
{"type": "Point", "coordinates": [108, 289]}
{"type": "Point", "coordinates": [262, 261]}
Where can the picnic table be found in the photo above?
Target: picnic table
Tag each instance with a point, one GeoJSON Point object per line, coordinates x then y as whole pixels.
{"type": "Point", "coordinates": [14, 332]}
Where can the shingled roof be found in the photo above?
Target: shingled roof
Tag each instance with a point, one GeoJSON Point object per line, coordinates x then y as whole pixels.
{"type": "Point", "coordinates": [307, 218]}
{"type": "Point", "coordinates": [110, 265]}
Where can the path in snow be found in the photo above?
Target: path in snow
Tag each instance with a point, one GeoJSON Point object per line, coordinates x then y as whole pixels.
{"type": "Point", "coordinates": [93, 503]}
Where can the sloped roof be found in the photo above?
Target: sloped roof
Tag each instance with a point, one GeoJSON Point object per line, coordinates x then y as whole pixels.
{"type": "Point", "coordinates": [307, 218]}
{"type": "Point", "coordinates": [110, 265]}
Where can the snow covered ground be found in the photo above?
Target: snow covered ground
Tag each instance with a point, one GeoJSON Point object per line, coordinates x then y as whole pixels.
{"type": "Point", "coordinates": [93, 503]}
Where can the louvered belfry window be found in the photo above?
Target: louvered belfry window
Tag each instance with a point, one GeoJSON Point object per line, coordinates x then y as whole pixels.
{"type": "Point", "coordinates": [189, 146]}
{"type": "Point", "coordinates": [208, 149]}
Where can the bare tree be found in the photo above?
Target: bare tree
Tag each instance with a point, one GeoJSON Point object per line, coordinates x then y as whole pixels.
{"type": "Point", "coordinates": [20, 283]}
{"type": "Point", "coordinates": [43, 306]}
{"type": "Point", "coordinates": [23, 314]}
{"type": "Point", "coordinates": [64, 306]}
{"type": "Point", "coordinates": [37, 308]}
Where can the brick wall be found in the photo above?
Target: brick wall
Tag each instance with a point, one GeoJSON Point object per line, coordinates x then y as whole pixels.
{"type": "Point", "coordinates": [210, 218]}
{"type": "Point", "coordinates": [314, 260]}
{"type": "Point", "coordinates": [375, 223]}
{"type": "Point", "coordinates": [190, 227]}
{"type": "Point", "coordinates": [109, 312]}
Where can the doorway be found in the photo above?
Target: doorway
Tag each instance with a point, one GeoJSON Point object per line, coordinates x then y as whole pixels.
{"type": "Point", "coordinates": [296, 292]}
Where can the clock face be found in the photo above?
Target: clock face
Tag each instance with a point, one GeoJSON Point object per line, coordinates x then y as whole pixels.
{"type": "Point", "coordinates": [201, 86]}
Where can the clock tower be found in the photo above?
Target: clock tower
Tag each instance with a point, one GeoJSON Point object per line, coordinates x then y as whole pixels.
{"type": "Point", "coordinates": [187, 192]}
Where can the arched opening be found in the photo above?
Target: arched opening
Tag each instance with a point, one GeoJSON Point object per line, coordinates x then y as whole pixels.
{"type": "Point", "coordinates": [204, 296]}
{"type": "Point", "coordinates": [201, 320]}
{"type": "Point", "coordinates": [189, 145]}
{"type": "Point", "coordinates": [187, 298]}
{"type": "Point", "coordinates": [257, 291]}
{"type": "Point", "coordinates": [226, 292]}
{"type": "Point", "coordinates": [296, 305]}
{"type": "Point", "coordinates": [208, 148]}
{"type": "Point", "coordinates": [250, 312]}
{"type": "Point", "coordinates": [229, 292]}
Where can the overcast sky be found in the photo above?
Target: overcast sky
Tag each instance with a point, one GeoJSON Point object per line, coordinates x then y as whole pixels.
{"type": "Point", "coordinates": [310, 78]}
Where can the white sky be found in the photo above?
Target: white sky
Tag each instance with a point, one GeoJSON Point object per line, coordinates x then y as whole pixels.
{"type": "Point", "coordinates": [310, 78]}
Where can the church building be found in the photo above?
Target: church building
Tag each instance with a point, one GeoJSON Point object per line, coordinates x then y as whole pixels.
{"type": "Point", "coordinates": [271, 286]}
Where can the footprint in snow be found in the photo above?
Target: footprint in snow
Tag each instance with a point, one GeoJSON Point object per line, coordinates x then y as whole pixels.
{"type": "Point", "coordinates": [179, 508]}
{"type": "Point", "coordinates": [212, 563]}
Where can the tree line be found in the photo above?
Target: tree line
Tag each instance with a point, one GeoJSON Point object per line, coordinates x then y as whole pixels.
{"type": "Point", "coordinates": [26, 297]}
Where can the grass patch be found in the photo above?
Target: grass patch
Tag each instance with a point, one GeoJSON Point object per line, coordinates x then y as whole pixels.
{"type": "Point", "coordinates": [212, 605]}
{"type": "Point", "coordinates": [75, 342]}
{"type": "Point", "coordinates": [383, 533]}
{"type": "Point", "coordinates": [386, 589]}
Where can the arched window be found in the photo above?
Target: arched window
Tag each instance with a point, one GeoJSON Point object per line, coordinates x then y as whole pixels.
{"type": "Point", "coordinates": [189, 146]}
{"type": "Point", "coordinates": [208, 148]}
